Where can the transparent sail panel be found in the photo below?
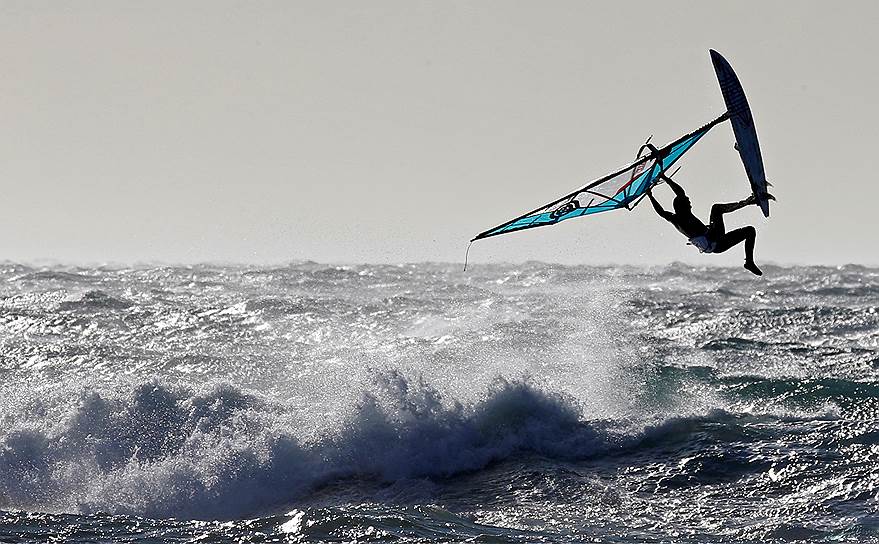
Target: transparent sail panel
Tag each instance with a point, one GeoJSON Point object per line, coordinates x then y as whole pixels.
{"type": "Point", "coordinates": [622, 189]}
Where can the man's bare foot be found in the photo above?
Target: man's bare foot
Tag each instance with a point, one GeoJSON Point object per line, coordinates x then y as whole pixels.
{"type": "Point", "coordinates": [752, 268]}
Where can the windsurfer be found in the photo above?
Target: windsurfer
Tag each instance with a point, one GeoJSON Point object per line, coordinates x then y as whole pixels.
{"type": "Point", "coordinates": [712, 238]}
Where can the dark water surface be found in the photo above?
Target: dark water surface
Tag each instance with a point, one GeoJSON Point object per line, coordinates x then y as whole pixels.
{"type": "Point", "coordinates": [418, 403]}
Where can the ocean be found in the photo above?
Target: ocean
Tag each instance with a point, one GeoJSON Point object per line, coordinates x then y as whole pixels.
{"type": "Point", "coordinates": [420, 403]}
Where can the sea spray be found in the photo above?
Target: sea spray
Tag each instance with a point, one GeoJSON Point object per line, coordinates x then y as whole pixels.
{"type": "Point", "coordinates": [415, 402]}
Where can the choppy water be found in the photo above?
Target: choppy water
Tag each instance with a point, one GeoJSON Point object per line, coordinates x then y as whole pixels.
{"type": "Point", "coordinates": [529, 403]}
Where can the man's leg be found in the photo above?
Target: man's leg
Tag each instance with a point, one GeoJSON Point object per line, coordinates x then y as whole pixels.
{"type": "Point", "coordinates": [748, 235]}
{"type": "Point", "coordinates": [717, 211]}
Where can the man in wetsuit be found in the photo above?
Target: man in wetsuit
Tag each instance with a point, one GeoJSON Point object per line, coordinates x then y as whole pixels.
{"type": "Point", "coordinates": [712, 238]}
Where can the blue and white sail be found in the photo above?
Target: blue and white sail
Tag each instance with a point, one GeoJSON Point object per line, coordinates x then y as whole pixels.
{"type": "Point", "coordinates": [621, 189]}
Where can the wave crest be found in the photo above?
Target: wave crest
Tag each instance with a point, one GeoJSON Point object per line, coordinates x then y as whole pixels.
{"type": "Point", "coordinates": [162, 451]}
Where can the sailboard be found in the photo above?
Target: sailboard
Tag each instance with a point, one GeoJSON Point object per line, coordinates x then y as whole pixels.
{"type": "Point", "coordinates": [623, 188]}
{"type": "Point", "coordinates": [743, 128]}
{"type": "Point", "coordinates": [626, 187]}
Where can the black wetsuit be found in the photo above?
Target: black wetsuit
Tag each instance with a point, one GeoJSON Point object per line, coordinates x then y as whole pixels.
{"type": "Point", "coordinates": [712, 238]}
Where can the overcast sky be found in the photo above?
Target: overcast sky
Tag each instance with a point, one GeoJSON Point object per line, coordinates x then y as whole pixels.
{"type": "Point", "coordinates": [395, 131]}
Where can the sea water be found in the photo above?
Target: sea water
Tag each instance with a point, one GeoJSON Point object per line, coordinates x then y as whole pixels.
{"type": "Point", "coordinates": [419, 403]}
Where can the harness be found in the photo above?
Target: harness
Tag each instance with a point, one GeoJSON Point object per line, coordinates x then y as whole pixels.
{"type": "Point", "coordinates": [703, 243]}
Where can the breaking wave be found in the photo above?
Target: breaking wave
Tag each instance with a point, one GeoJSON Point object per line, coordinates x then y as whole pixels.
{"type": "Point", "coordinates": [527, 403]}
{"type": "Point", "coordinates": [164, 451]}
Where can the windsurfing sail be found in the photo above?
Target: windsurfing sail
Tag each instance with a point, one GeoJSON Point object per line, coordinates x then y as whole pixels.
{"type": "Point", "coordinates": [622, 189]}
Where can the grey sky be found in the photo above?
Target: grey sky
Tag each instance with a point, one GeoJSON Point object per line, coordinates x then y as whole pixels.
{"type": "Point", "coordinates": [395, 131]}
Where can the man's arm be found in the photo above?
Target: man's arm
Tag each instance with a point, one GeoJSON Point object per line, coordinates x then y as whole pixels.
{"type": "Point", "coordinates": [668, 216]}
{"type": "Point", "coordinates": [679, 191]}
